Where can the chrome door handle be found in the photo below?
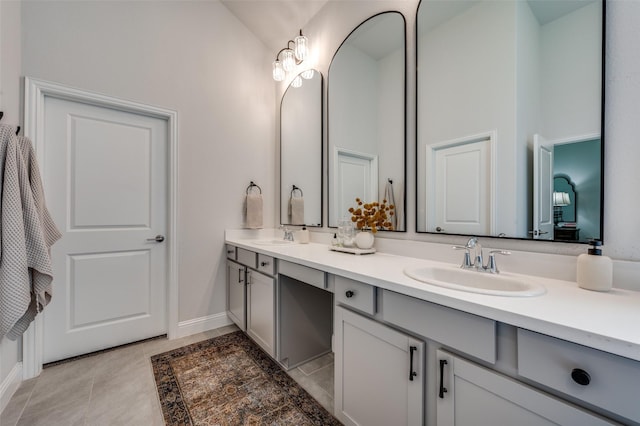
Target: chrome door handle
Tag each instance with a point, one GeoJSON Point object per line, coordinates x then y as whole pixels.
{"type": "Point", "coordinates": [157, 239]}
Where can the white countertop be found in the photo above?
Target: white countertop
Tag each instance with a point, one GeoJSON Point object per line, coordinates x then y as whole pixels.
{"type": "Point", "coordinates": [606, 321]}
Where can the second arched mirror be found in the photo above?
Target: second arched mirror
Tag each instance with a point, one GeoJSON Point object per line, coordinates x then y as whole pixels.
{"type": "Point", "coordinates": [301, 151]}
{"type": "Point", "coordinates": [366, 108]}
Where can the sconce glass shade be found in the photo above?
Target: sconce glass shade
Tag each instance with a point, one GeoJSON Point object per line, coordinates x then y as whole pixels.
{"type": "Point", "coordinates": [301, 47]}
{"type": "Point", "coordinates": [288, 60]}
{"type": "Point", "coordinates": [297, 82]}
{"type": "Point", "coordinates": [308, 74]}
{"type": "Point", "coordinates": [278, 71]}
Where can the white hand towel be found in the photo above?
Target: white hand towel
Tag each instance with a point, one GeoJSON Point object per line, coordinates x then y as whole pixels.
{"type": "Point", "coordinates": [254, 211]}
{"type": "Point", "coordinates": [296, 208]}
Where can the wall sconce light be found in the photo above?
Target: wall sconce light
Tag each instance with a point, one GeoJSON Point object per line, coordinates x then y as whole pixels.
{"type": "Point", "coordinates": [288, 58]}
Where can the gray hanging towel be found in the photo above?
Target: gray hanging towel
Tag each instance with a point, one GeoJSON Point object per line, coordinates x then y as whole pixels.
{"type": "Point", "coordinates": [28, 232]}
{"type": "Point", "coordinates": [388, 195]}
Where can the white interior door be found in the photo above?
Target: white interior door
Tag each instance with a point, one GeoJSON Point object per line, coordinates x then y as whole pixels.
{"type": "Point", "coordinates": [356, 175]}
{"type": "Point", "coordinates": [105, 177]}
{"type": "Point", "coordinates": [542, 189]}
{"type": "Point", "coordinates": [460, 200]}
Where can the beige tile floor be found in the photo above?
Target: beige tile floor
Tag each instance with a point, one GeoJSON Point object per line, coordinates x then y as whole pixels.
{"type": "Point", "coordinates": [117, 387]}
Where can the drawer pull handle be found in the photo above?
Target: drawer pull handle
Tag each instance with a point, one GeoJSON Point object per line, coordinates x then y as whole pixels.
{"type": "Point", "coordinates": [580, 376]}
{"type": "Point", "coordinates": [229, 251]}
{"type": "Point", "coordinates": [412, 373]}
{"type": "Point", "coordinates": [263, 264]}
{"type": "Point", "coordinates": [443, 390]}
{"type": "Point", "coordinates": [349, 294]}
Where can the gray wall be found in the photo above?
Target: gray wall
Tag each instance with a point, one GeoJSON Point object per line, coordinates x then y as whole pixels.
{"type": "Point", "coordinates": [193, 57]}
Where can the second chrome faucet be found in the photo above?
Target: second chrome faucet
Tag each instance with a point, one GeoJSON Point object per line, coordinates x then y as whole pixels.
{"type": "Point", "coordinates": [477, 260]}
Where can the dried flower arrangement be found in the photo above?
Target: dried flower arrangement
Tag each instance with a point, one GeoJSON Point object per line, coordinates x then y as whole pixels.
{"type": "Point", "coordinates": [373, 216]}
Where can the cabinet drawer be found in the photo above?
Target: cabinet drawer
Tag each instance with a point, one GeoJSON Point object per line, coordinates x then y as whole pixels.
{"type": "Point", "coordinates": [305, 274]}
{"type": "Point", "coordinates": [355, 294]}
{"type": "Point", "coordinates": [459, 330]}
{"type": "Point", "coordinates": [231, 251]}
{"type": "Point", "coordinates": [613, 381]}
{"type": "Point", "coordinates": [266, 264]}
{"type": "Point", "coordinates": [246, 257]}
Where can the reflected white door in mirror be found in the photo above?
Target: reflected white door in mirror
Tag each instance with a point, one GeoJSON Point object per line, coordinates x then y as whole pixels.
{"type": "Point", "coordinates": [461, 185]}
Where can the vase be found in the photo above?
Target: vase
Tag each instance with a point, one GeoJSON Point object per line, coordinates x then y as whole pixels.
{"type": "Point", "coordinates": [364, 240]}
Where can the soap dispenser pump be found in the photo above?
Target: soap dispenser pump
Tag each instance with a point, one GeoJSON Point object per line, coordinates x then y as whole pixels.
{"type": "Point", "coordinates": [594, 271]}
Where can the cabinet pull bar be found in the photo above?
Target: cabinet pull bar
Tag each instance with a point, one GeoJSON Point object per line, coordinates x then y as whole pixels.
{"type": "Point", "coordinates": [443, 390]}
{"type": "Point", "coordinates": [412, 373]}
{"type": "Point", "coordinates": [240, 280]}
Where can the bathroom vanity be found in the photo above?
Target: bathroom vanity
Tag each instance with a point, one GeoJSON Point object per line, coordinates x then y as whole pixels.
{"type": "Point", "coordinates": [407, 352]}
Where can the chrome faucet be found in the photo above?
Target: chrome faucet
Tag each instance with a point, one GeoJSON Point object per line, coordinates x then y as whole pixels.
{"type": "Point", "coordinates": [288, 234]}
{"type": "Point", "coordinates": [478, 258]}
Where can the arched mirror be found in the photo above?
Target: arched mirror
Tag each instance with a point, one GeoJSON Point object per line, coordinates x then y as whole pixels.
{"type": "Point", "coordinates": [301, 151]}
{"type": "Point", "coordinates": [366, 107]}
{"type": "Point", "coordinates": [500, 83]}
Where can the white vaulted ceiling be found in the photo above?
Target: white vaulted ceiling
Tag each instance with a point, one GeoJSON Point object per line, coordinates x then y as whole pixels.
{"type": "Point", "coordinates": [274, 21]}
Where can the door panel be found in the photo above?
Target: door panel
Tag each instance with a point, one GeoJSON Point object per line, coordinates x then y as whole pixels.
{"type": "Point", "coordinates": [542, 189]}
{"type": "Point", "coordinates": [461, 182]}
{"type": "Point", "coordinates": [99, 148]}
{"type": "Point", "coordinates": [107, 287]}
{"type": "Point", "coordinates": [105, 177]}
{"type": "Point", "coordinates": [356, 175]}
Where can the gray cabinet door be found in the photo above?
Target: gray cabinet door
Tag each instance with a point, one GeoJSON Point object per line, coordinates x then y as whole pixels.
{"type": "Point", "coordinates": [379, 373]}
{"type": "Point", "coordinates": [472, 395]}
{"type": "Point", "coordinates": [236, 294]}
{"type": "Point", "coordinates": [261, 310]}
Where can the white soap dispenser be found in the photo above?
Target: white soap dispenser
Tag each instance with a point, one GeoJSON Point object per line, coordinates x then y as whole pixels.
{"type": "Point", "coordinates": [303, 235]}
{"type": "Point", "coordinates": [595, 271]}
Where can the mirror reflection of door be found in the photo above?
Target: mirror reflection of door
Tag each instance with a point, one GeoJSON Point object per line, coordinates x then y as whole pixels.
{"type": "Point", "coordinates": [461, 194]}
{"type": "Point", "coordinates": [577, 168]}
{"type": "Point", "coordinates": [356, 175]}
{"type": "Point", "coordinates": [567, 189]}
{"type": "Point", "coordinates": [542, 189]}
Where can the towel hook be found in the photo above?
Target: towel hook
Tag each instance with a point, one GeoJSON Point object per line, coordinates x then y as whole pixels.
{"type": "Point", "coordinates": [390, 181]}
{"type": "Point", "coordinates": [294, 189]}
{"type": "Point", "coordinates": [253, 185]}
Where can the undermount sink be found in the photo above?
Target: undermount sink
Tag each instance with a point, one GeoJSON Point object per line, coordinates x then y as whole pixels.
{"type": "Point", "coordinates": [475, 282]}
{"type": "Point", "coordinates": [273, 242]}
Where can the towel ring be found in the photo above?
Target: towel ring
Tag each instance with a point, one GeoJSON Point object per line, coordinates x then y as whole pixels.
{"type": "Point", "coordinates": [253, 185]}
{"type": "Point", "coordinates": [294, 189]}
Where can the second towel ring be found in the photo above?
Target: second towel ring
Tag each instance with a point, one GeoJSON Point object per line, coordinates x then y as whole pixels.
{"type": "Point", "coordinates": [253, 185]}
{"type": "Point", "coordinates": [294, 189]}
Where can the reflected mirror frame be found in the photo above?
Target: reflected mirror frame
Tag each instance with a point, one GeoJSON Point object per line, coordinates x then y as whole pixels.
{"type": "Point", "coordinates": [328, 154]}
{"type": "Point", "coordinates": [321, 149]}
{"type": "Point", "coordinates": [602, 136]}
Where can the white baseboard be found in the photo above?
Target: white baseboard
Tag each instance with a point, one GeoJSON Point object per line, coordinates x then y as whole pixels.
{"type": "Point", "coordinates": [10, 385]}
{"type": "Point", "coordinates": [198, 325]}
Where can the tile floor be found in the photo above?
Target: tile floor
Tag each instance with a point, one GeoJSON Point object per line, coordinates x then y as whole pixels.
{"type": "Point", "coordinates": [117, 387]}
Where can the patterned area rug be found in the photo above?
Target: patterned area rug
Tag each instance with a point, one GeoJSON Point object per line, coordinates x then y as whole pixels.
{"type": "Point", "coordinates": [228, 380]}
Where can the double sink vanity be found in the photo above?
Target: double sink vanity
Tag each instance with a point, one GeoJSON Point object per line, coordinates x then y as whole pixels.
{"type": "Point", "coordinates": [439, 349]}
